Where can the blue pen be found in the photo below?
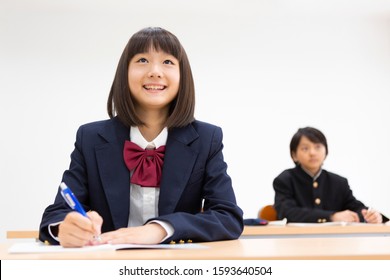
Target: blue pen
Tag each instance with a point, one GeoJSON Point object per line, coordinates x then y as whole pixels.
{"type": "Point", "coordinates": [72, 201]}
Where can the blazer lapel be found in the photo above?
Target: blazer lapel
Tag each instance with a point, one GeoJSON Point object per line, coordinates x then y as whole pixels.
{"type": "Point", "coordinates": [115, 176]}
{"type": "Point", "coordinates": [178, 164]}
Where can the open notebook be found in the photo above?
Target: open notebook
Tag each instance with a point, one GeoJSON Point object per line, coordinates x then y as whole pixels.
{"type": "Point", "coordinates": [326, 224]}
{"type": "Point", "coordinates": [39, 247]}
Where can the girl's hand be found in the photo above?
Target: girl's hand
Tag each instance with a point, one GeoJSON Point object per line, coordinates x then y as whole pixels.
{"type": "Point", "coordinates": [77, 230]}
{"type": "Point", "coordinates": [152, 233]}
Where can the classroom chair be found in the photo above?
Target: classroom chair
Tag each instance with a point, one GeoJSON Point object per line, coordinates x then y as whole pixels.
{"type": "Point", "coordinates": [268, 213]}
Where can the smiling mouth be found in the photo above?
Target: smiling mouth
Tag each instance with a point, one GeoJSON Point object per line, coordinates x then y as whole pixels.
{"type": "Point", "coordinates": [154, 87]}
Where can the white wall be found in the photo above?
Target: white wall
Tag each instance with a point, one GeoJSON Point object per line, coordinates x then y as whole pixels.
{"type": "Point", "coordinates": [263, 68]}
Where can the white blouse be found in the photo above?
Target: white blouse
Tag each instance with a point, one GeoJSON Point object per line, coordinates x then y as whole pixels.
{"type": "Point", "coordinates": [144, 200]}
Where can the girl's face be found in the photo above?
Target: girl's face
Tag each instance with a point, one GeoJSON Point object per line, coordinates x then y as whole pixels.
{"type": "Point", "coordinates": [310, 155]}
{"type": "Point", "coordinates": [154, 79]}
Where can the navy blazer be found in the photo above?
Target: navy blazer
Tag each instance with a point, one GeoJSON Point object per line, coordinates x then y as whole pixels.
{"type": "Point", "coordinates": [194, 170]}
{"type": "Point", "coordinates": [300, 199]}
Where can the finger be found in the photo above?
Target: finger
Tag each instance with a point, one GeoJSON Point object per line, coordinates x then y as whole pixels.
{"type": "Point", "coordinates": [355, 217]}
{"type": "Point", "coordinates": [147, 234]}
{"type": "Point", "coordinates": [379, 218]}
{"type": "Point", "coordinates": [72, 241]}
{"type": "Point", "coordinates": [70, 229]}
{"type": "Point", "coordinates": [122, 235]}
{"type": "Point", "coordinates": [370, 215]}
{"type": "Point", "coordinates": [374, 217]}
{"type": "Point", "coordinates": [97, 221]}
{"type": "Point", "coordinates": [107, 237]}
{"type": "Point", "coordinates": [72, 236]}
{"type": "Point", "coordinates": [79, 221]}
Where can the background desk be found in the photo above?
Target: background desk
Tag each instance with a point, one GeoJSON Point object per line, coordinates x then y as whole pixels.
{"type": "Point", "coordinates": [356, 230]}
{"type": "Point", "coordinates": [241, 249]}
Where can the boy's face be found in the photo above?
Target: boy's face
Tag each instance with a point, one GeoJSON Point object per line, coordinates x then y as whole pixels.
{"type": "Point", "coordinates": [310, 155]}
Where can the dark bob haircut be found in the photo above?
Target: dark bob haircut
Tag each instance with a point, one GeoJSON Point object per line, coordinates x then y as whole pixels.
{"type": "Point", "coordinates": [313, 134]}
{"type": "Point", "coordinates": [121, 104]}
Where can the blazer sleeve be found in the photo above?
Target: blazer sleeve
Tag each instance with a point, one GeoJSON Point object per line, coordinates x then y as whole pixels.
{"type": "Point", "coordinates": [56, 212]}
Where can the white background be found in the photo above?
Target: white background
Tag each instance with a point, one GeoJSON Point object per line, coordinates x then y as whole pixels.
{"type": "Point", "coordinates": [280, 269]}
{"type": "Point", "coordinates": [262, 68]}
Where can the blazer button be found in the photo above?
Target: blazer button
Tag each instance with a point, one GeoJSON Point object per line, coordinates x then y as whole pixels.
{"type": "Point", "coordinates": [315, 185]}
{"type": "Point", "coordinates": [172, 242]}
{"type": "Point", "coordinates": [317, 201]}
{"type": "Point", "coordinates": [189, 241]}
{"type": "Point", "coordinates": [181, 241]}
{"type": "Point", "coordinates": [319, 221]}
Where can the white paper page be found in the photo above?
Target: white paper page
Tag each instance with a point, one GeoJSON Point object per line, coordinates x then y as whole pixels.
{"type": "Point", "coordinates": [278, 222]}
{"type": "Point", "coordinates": [326, 224]}
{"type": "Point", "coordinates": [39, 247]}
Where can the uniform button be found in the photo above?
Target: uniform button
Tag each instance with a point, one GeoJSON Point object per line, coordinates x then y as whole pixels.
{"type": "Point", "coordinates": [319, 221]}
{"type": "Point", "coordinates": [189, 241]}
{"type": "Point", "coordinates": [324, 220]}
{"type": "Point", "coordinates": [317, 201]}
{"type": "Point", "coordinates": [181, 241]}
{"type": "Point", "coordinates": [172, 242]}
{"type": "Point", "coordinates": [315, 184]}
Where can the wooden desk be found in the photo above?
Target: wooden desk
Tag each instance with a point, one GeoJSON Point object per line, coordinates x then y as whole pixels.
{"type": "Point", "coordinates": [242, 249]}
{"type": "Point", "coordinates": [275, 231]}
{"type": "Point", "coordinates": [22, 234]}
{"type": "Point", "coordinates": [355, 230]}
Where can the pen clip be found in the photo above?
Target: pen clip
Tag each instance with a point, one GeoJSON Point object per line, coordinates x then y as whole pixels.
{"type": "Point", "coordinates": [67, 195]}
{"type": "Point", "coordinates": [71, 199]}
{"type": "Point", "coordinates": [68, 200]}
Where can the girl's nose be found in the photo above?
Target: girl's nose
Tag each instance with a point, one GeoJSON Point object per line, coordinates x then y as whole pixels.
{"type": "Point", "coordinates": [155, 71]}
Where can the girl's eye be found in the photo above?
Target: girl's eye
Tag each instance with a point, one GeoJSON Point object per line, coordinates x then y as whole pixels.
{"type": "Point", "coordinates": [142, 60]}
{"type": "Point", "coordinates": [168, 62]}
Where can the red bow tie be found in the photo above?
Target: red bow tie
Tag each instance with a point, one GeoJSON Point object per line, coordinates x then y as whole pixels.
{"type": "Point", "coordinates": [146, 164]}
